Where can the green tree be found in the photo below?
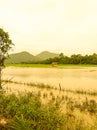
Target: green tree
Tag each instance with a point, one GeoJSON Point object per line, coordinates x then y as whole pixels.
{"type": "Point", "coordinates": [5, 46]}
{"type": "Point", "coordinates": [61, 55]}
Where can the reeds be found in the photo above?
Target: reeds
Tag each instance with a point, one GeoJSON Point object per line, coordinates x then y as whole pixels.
{"type": "Point", "coordinates": [49, 87]}
{"type": "Point", "coordinates": [27, 112]}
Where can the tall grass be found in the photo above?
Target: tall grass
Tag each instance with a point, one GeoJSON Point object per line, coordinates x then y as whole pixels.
{"type": "Point", "coordinates": [27, 112]}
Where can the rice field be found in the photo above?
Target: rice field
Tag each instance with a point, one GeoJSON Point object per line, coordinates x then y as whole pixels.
{"type": "Point", "coordinates": [60, 106]}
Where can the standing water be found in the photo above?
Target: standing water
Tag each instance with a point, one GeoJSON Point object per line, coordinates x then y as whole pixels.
{"type": "Point", "coordinates": [79, 78]}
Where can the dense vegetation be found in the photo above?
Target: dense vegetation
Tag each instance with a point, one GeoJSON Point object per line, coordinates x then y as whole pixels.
{"type": "Point", "coordinates": [26, 111]}
{"type": "Point", "coordinates": [73, 59]}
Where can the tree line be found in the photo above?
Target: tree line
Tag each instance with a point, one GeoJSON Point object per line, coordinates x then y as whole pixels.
{"type": "Point", "coordinates": [73, 59]}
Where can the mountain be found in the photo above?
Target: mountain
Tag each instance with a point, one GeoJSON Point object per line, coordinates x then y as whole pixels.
{"type": "Point", "coordinates": [46, 55]}
{"type": "Point", "coordinates": [20, 57]}
{"type": "Point", "coordinates": [25, 57]}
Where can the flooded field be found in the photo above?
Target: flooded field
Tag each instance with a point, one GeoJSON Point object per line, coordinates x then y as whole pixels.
{"type": "Point", "coordinates": [77, 106]}
{"type": "Point", "coordinates": [74, 78]}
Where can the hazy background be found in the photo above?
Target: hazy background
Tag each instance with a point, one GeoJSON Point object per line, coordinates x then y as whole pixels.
{"type": "Point", "coordinates": [68, 26]}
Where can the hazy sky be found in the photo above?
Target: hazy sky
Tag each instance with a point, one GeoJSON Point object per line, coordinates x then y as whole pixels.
{"type": "Point", "coordinates": [68, 26]}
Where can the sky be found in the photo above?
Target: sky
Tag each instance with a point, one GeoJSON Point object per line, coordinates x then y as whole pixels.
{"type": "Point", "coordinates": [68, 26]}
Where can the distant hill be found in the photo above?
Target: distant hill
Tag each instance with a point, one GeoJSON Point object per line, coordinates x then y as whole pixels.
{"type": "Point", "coordinates": [25, 57]}
{"type": "Point", "coordinates": [46, 55]}
{"type": "Point", "coordinates": [20, 57]}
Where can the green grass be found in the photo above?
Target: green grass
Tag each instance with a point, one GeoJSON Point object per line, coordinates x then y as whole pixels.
{"type": "Point", "coordinates": [30, 65]}
{"type": "Point", "coordinates": [76, 65]}
{"type": "Point", "coordinates": [26, 112]}
{"type": "Point", "coordinates": [50, 66]}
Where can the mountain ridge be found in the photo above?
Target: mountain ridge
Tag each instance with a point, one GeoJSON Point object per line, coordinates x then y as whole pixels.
{"type": "Point", "coordinates": [26, 57]}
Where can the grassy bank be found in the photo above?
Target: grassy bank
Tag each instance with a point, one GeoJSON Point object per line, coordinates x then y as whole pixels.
{"type": "Point", "coordinates": [27, 112]}
{"type": "Point", "coordinates": [30, 65]}
{"type": "Point", "coordinates": [50, 66]}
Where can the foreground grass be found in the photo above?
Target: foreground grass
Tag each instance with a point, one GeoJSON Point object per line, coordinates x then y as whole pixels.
{"type": "Point", "coordinates": [27, 112]}
{"type": "Point", "coordinates": [50, 66]}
